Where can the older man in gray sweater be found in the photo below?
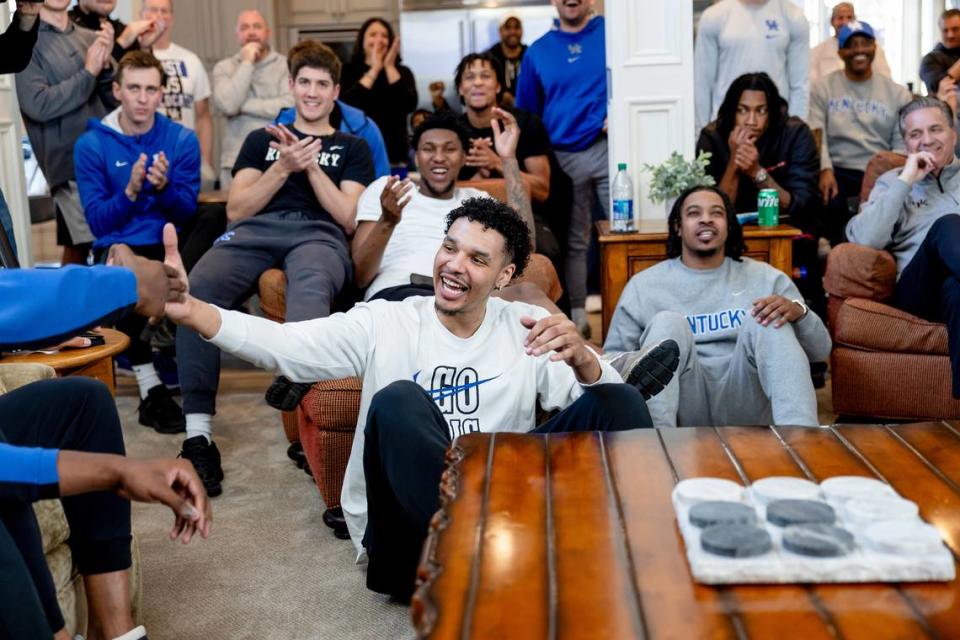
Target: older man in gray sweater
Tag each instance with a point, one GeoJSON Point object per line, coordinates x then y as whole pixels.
{"type": "Point", "coordinates": [912, 212]}
{"type": "Point", "coordinates": [250, 88]}
{"type": "Point", "coordinates": [746, 338]}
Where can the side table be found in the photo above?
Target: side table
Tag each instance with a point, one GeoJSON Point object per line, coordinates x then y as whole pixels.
{"type": "Point", "coordinates": [93, 362]}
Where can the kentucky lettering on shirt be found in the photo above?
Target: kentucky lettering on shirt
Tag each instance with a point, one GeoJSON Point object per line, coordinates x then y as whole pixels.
{"type": "Point", "coordinates": [707, 323]}
{"type": "Point", "coordinates": [324, 159]}
{"type": "Point", "coordinates": [846, 104]}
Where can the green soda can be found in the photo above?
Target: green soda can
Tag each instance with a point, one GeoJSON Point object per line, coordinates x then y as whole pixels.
{"type": "Point", "coordinates": [768, 208]}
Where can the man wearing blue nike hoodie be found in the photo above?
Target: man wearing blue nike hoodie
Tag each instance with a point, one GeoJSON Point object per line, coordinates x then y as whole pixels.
{"type": "Point", "coordinates": [136, 171]}
{"type": "Point", "coordinates": [564, 81]}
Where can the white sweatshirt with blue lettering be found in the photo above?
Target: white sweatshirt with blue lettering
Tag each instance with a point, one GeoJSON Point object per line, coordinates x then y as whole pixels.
{"type": "Point", "coordinates": [715, 303]}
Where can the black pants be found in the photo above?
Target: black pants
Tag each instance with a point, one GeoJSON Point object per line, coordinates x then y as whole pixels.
{"type": "Point", "coordinates": [406, 438]}
{"type": "Point", "coordinates": [69, 413]}
{"type": "Point", "coordinates": [132, 325]}
{"type": "Point", "coordinates": [838, 211]}
{"type": "Point", "coordinates": [929, 286]}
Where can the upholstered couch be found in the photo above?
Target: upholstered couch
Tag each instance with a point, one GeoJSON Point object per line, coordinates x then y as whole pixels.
{"type": "Point", "coordinates": [886, 363]}
{"type": "Point", "coordinates": [55, 531]}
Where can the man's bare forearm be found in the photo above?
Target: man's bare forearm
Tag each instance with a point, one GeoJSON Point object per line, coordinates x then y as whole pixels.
{"type": "Point", "coordinates": [517, 196]}
{"type": "Point", "coordinates": [338, 204]}
{"type": "Point", "coordinates": [248, 201]}
{"type": "Point", "coordinates": [368, 252]}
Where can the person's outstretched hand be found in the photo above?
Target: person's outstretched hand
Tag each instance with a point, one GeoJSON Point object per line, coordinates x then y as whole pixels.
{"type": "Point", "coordinates": [157, 283]}
{"type": "Point", "coordinates": [171, 482]}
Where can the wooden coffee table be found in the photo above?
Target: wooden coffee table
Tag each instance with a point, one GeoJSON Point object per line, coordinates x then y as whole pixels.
{"type": "Point", "coordinates": [623, 255]}
{"type": "Point", "coordinates": [574, 536]}
{"type": "Point", "coordinates": [93, 362]}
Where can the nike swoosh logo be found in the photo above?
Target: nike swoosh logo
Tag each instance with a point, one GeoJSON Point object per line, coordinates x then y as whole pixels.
{"type": "Point", "coordinates": [572, 60]}
{"type": "Point", "coordinates": [336, 147]}
{"type": "Point", "coordinates": [737, 293]}
{"type": "Point", "coordinates": [446, 392]}
{"type": "Point", "coordinates": [121, 164]}
{"type": "Point", "coordinates": [770, 37]}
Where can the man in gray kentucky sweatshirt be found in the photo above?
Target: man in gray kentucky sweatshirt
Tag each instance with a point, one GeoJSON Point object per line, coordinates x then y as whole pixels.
{"type": "Point", "coordinates": [912, 213]}
{"type": "Point", "coordinates": [746, 338]}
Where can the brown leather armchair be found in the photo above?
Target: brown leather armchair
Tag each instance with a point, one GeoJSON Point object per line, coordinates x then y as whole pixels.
{"type": "Point", "coordinates": [886, 363]}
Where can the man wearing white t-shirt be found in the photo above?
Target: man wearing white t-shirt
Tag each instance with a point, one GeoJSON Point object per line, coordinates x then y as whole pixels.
{"type": "Point", "coordinates": [186, 95]}
{"type": "Point", "coordinates": [748, 36]}
{"type": "Point", "coordinates": [825, 57]}
{"type": "Point", "coordinates": [400, 225]}
{"type": "Point", "coordinates": [433, 369]}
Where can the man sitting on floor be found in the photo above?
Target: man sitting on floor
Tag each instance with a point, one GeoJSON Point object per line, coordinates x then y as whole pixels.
{"type": "Point", "coordinates": [745, 337]}
{"type": "Point", "coordinates": [435, 368]}
{"type": "Point", "coordinates": [137, 170]}
{"type": "Point", "coordinates": [291, 205]}
{"type": "Point", "coordinates": [912, 212]}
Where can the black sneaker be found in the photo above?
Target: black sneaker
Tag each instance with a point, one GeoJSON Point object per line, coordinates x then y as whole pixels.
{"type": "Point", "coordinates": [649, 371]}
{"type": "Point", "coordinates": [160, 411]}
{"type": "Point", "coordinates": [205, 458]}
{"type": "Point", "coordinates": [285, 395]}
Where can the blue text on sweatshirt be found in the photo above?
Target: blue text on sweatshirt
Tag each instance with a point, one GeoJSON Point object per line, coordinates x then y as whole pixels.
{"type": "Point", "coordinates": [41, 307]}
{"type": "Point", "coordinates": [564, 81]}
{"type": "Point", "coordinates": [355, 122]}
{"type": "Point", "coordinates": [103, 158]}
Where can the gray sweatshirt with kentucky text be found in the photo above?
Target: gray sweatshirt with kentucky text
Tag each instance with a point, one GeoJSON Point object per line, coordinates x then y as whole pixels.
{"type": "Point", "coordinates": [858, 119]}
{"type": "Point", "coordinates": [897, 217]}
{"type": "Point", "coordinates": [715, 303]}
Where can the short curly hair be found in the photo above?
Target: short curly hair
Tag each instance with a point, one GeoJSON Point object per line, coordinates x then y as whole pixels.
{"type": "Point", "coordinates": [441, 120]}
{"type": "Point", "coordinates": [493, 214]}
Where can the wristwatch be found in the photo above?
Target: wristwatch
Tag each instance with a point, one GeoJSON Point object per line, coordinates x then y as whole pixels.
{"type": "Point", "coordinates": [761, 176]}
{"type": "Point", "coordinates": [803, 306]}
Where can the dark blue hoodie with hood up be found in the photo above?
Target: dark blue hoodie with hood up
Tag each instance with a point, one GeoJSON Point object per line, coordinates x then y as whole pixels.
{"type": "Point", "coordinates": [103, 158]}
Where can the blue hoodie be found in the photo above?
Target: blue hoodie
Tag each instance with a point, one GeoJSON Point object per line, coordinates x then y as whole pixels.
{"type": "Point", "coordinates": [564, 81]}
{"type": "Point", "coordinates": [103, 157]}
{"type": "Point", "coordinates": [355, 122]}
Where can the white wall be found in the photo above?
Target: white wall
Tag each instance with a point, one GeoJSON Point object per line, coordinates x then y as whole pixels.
{"type": "Point", "coordinates": [651, 113]}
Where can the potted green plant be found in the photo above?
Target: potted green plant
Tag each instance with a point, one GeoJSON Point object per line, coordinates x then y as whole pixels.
{"type": "Point", "coordinates": [675, 175]}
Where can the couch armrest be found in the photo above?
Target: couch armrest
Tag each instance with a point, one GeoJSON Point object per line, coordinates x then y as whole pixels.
{"type": "Point", "coordinates": [857, 271]}
{"type": "Point", "coordinates": [541, 272]}
{"type": "Point", "coordinates": [13, 376]}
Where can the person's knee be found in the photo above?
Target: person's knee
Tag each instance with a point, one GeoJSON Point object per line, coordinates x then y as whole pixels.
{"type": "Point", "coordinates": [670, 322]}
{"type": "Point", "coordinates": [948, 225]}
{"type": "Point", "coordinates": [622, 400]}
{"type": "Point", "coordinates": [386, 411]}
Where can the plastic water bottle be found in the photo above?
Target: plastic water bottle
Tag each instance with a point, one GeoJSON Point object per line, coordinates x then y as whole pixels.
{"type": "Point", "coordinates": [621, 217]}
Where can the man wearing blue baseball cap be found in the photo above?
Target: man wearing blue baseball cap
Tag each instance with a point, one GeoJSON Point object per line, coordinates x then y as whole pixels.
{"type": "Point", "coordinates": [854, 114]}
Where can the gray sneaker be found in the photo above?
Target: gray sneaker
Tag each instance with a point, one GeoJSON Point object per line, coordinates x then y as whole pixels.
{"type": "Point", "coordinates": [649, 371]}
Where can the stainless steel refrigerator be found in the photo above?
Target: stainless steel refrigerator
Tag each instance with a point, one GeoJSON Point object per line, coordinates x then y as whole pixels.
{"type": "Point", "coordinates": [436, 34]}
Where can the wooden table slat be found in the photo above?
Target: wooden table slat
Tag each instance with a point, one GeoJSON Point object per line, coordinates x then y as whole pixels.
{"type": "Point", "coordinates": [644, 480]}
{"type": "Point", "coordinates": [514, 557]}
{"type": "Point", "coordinates": [865, 611]}
{"type": "Point", "coordinates": [829, 456]}
{"type": "Point", "coordinates": [448, 559]}
{"type": "Point", "coordinates": [595, 590]}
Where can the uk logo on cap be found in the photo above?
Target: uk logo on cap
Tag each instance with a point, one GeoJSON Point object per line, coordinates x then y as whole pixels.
{"type": "Point", "coordinates": [854, 28]}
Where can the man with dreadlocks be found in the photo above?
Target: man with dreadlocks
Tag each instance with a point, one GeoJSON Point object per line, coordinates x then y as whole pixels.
{"type": "Point", "coordinates": [745, 336]}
